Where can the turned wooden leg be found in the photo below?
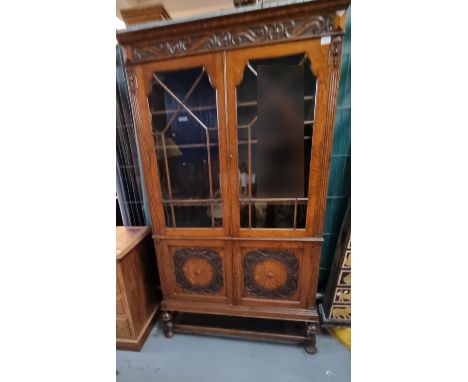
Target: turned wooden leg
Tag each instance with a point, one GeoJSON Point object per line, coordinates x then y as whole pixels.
{"type": "Point", "coordinates": [310, 342]}
{"type": "Point", "coordinates": [167, 318]}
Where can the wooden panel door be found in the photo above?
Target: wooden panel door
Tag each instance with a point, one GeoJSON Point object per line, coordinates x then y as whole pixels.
{"type": "Point", "coordinates": [199, 270]}
{"type": "Point", "coordinates": [273, 273]}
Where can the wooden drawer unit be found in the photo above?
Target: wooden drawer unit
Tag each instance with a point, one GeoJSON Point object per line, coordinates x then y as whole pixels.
{"type": "Point", "coordinates": [137, 300]}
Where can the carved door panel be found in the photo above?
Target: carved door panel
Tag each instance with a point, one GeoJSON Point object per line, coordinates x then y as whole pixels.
{"type": "Point", "coordinates": [272, 273]}
{"type": "Point", "coordinates": [199, 270]}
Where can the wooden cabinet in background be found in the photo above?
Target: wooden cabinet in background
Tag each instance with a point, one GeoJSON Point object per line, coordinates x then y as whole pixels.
{"type": "Point", "coordinates": [234, 118]}
{"type": "Point", "coordinates": [137, 299]}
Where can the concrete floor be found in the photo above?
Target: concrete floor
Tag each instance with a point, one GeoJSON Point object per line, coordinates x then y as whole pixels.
{"type": "Point", "coordinates": [196, 358]}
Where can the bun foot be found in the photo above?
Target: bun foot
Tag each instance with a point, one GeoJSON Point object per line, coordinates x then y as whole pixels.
{"type": "Point", "coordinates": [167, 318]}
{"type": "Point", "coordinates": [310, 342]}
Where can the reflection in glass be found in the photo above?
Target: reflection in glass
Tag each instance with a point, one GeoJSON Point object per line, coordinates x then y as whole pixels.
{"type": "Point", "coordinates": [185, 130]}
{"type": "Point", "coordinates": [275, 117]}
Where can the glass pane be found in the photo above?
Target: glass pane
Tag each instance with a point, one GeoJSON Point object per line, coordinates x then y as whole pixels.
{"type": "Point", "coordinates": [185, 130]}
{"type": "Point", "coordinates": [265, 214]}
{"type": "Point", "coordinates": [275, 119]}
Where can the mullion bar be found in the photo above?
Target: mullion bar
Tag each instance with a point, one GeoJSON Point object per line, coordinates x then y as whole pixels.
{"type": "Point", "coordinates": [295, 214]}
{"type": "Point", "coordinates": [249, 151]}
{"type": "Point", "coordinates": [274, 200]}
{"type": "Point", "coordinates": [169, 189]}
{"type": "Point", "coordinates": [187, 96]}
{"type": "Point", "coordinates": [179, 101]}
{"type": "Point", "coordinates": [195, 108]}
{"type": "Point", "coordinates": [189, 202]}
{"type": "Point", "coordinates": [204, 108]}
{"type": "Point", "coordinates": [306, 122]}
{"type": "Point", "coordinates": [252, 69]}
{"type": "Point", "coordinates": [209, 176]}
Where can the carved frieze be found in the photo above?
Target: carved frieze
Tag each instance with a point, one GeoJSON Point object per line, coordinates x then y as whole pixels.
{"type": "Point", "coordinates": [271, 274]}
{"type": "Point", "coordinates": [306, 27]}
{"type": "Point", "coordinates": [198, 270]}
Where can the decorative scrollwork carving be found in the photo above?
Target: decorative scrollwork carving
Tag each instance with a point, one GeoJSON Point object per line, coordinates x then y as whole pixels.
{"type": "Point", "coordinates": [335, 51]}
{"type": "Point", "coordinates": [209, 257]}
{"type": "Point", "coordinates": [132, 80]}
{"type": "Point", "coordinates": [307, 27]}
{"type": "Point", "coordinates": [285, 259]}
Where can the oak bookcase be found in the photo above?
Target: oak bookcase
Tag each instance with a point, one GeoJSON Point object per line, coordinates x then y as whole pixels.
{"type": "Point", "coordinates": [234, 119]}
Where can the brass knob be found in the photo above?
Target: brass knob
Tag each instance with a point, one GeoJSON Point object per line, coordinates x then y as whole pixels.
{"type": "Point", "coordinates": [269, 275]}
{"type": "Point", "coordinates": [197, 272]}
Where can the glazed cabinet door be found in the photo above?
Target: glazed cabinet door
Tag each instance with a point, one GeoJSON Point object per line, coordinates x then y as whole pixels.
{"type": "Point", "coordinates": [183, 137]}
{"type": "Point", "coordinates": [280, 131]}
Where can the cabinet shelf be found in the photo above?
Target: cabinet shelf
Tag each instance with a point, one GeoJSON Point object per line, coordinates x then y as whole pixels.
{"type": "Point", "coordinates": [204, 145]}
{"type": "Point", "coordinates": [306, 122]}
{"type": "Point", "coordinates": [213, 107]}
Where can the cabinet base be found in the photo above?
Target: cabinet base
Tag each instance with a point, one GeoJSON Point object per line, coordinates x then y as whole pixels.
{"type": "Point", "coordinates": [242, 327]}
{"type": "Point", "coordinates": [274, 313]}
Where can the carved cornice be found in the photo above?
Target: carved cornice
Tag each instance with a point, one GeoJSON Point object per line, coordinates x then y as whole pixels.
{"type": "Point", "coordinates": [287, 30]}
